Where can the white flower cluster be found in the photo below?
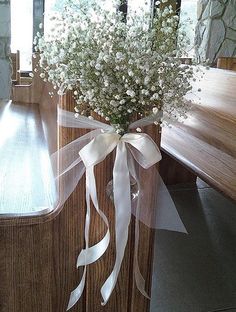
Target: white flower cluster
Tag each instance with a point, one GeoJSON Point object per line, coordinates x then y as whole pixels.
{"type": "Point", "coordinates": [117, 69]}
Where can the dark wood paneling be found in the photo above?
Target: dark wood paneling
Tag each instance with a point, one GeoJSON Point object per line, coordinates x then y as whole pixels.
{"type": "Point", "coordinates": [173, 172]}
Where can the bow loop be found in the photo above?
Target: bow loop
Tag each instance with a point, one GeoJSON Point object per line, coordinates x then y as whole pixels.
{"type": "Point", "coordinates": [143, 149]}
{"type": "Point", "coordinates": [82, 155]}
{"type": "Point", "coordinates": [97, 150]}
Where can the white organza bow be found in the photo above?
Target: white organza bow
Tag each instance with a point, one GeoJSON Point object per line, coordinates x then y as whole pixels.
{"type": "Point", "coordinates": [89, 150]}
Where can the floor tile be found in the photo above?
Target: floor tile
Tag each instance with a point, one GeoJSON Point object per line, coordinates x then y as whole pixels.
{"type": "Point", "coordinates": [197, 272]}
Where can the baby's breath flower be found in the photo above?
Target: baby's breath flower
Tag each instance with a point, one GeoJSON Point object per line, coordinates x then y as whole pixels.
{"type": "Point", "coordinates": [130, 93]}
{"type": "Point", "coordinates": [117, 69]}
{"type": "Point", "coordinates": [155, 110]}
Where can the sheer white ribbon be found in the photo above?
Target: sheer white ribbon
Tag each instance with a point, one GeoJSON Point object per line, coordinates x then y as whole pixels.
{"type": "Point", "coordinates": [86, 152]}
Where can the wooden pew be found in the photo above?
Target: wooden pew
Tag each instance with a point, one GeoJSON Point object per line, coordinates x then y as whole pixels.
{"type": "Point", "coordinates": [29, 93]}
{"type": "Point", "coordinates": [226, 63]}
{"type": "Point", "coordinates": [205, 144]}
{"type": "Point", "coordinates": [38, 253]}
{"type": "Point", "coordinates": [15, 60]}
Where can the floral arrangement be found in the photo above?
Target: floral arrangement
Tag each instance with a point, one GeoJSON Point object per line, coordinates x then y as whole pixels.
{"type": "Point", "coordinates": [120, 67]}
{"type": "Point", "coordinates": [125, 68]}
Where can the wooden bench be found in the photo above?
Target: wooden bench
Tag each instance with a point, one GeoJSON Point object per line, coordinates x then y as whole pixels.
{"type": "Point", "coordinates": [226, 63]}
{"type": "Point", "coordinates": [15, 61]}
{"type": "Point", "coordinates": [38, 252]}
{"type": "Point", "coordinates": [28, 91]}
{"type": "Point", "coordinates": [205, 145]}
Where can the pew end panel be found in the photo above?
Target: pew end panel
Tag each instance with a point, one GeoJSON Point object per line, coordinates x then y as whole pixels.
{"type": "Point", "coordinates": [38, 253]}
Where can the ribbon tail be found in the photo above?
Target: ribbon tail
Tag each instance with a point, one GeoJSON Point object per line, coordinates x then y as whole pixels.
{"type": "Point", "coordinates": [139, 280]}
{"type": "Point", "coordinates": [122, 202]}
{"type": "Point", "coordinates": [77, 292]}
{"type": "Point", "coordinates": [92, 254]}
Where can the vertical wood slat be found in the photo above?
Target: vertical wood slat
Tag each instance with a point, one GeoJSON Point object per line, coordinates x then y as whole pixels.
{"type": "Point", "coordinates": [75, 213]}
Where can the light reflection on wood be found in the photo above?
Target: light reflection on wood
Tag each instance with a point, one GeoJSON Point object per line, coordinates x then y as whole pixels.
{"type": "Point", "coordinates": [205, 142]}
{"type": "Point", "coordinates": [26, 181]}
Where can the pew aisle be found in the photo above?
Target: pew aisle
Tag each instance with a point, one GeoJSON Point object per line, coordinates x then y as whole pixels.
{"type": "Point", "coordinates": [26, 179]}
{"type": "Point", "coordinates": [197, 272]}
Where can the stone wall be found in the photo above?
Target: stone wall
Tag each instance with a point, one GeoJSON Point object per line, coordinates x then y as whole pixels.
{"type": "Point", "coordinates": [216, 29]}
{"type": "Point", "coordinates": [5, 34]}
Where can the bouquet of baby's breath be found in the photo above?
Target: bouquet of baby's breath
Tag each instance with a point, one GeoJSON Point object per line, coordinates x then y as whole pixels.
{"type": "Point", "coordinates": [121, 67]}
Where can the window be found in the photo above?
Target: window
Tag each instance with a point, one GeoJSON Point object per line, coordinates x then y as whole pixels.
{"type": "Point", "coordinates": [139, 5]}
{"type": "Point", "coordinates": [57, 5]}
{"type": "Point", "coordinates": [188, 10]}
{"type": "Point", "coordinates": [22, 31]}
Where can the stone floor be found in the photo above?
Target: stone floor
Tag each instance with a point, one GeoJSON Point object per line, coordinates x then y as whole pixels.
{"type": "Point", "coordinates": [197, 272]}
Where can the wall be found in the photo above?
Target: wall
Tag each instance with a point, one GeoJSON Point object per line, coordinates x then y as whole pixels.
{"type": "Point", "coordinates": [5, 34]}
{"type": "Point", "coordinates": [216, 29]}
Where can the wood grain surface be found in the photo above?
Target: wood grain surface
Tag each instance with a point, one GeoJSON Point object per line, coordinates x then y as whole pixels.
{"type": "Point", "coordinates": [26, 179]}
{"type": "Point", "coordinates": [15, 60]}
{"type": "Point", "coordinates": [48, 112]}
{"type": "Point", "coordinates": [38, 254]}
{"type": "Point", "coordinates": [29, 94]}
{"type": "Point", "coordinates": [226, 63]}
{"type": "Point", "coordinates": [206, 142]}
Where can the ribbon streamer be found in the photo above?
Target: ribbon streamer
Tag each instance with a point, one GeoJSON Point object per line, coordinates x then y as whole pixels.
{"type": "Point", "coordinates": [81, 156]}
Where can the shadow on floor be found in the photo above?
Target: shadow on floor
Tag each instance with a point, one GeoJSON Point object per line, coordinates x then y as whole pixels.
{"type": "Point", "coordinates": [197, 272]}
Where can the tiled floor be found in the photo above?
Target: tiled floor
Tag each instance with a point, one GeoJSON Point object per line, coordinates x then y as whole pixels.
{"type": "Point", "coordinates": [197, 272]}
